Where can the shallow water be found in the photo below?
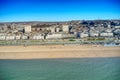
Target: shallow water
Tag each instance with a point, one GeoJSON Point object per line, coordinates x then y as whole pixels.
{"type": "Point", "coordinates": [61, 69]}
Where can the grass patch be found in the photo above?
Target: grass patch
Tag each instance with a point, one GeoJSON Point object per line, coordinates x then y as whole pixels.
{"type": "Point", "coordinates": [72, 40]}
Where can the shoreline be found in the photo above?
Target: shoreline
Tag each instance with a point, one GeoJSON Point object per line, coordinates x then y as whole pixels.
{"type": "Point", "coordinates": [58, 51]}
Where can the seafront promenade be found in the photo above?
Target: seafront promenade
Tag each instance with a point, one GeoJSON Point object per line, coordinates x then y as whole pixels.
{"type": "Point", "coordinates": [54, 42]}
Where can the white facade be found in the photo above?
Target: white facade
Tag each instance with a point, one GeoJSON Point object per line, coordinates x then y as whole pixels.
{"type": "Point", "coordinates": [37, 37]}
{"type": "Point", "coordinates": [47, 28]}
{"type": "Point", "coordinates": [27, 28]}
{"type": "Point", "coordinates": [109, 26]}
{"type": "Point", "coordinates": [106, 34]}
{"type": "Point", "coordinates": [94, 34]}
{"type": "Point", "coordinates": [24, 37]}
{"type": "Point", "coordinates": [75, 33]}
{"type": "Point", "coordinates": [52, 29]}
{"type": "Point", "coordinates": [57, 29]}
{"type": "Point", "coordinates": [2, 37]}
{"type": "Point", "coordinates": [53, 36]}
{"type": "Point", "coordinates": [83, 35]}
{"type": "Point", "coordinates": [92, 28]}
{"type": "Point", "coordinates": [117, 26]}
{"type": "Point", "coordinates": [65, 28]}
{"type": "Point", "coordinates": [68, 35]}
{"type": "Point", "coordinates": [10, 37]}
{"type": "Point", "coordinates": [2, 34]}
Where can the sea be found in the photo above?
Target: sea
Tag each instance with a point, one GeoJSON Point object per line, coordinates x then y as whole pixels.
{"type": "Point", "coordinates": [61, 69]}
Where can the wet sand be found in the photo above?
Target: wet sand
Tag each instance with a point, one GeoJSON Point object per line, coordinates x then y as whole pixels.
{"type": "Point", "coordinates": [58, 51]}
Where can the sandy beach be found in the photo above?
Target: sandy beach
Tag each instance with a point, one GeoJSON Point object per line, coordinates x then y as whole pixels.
{"type": "Point", "coordinates": [58, 51]}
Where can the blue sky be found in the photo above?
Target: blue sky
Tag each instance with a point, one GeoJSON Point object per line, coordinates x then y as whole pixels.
{"type": "Point", "coordinates": [58, 10]}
